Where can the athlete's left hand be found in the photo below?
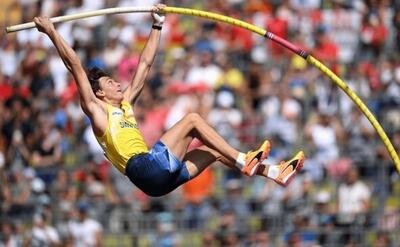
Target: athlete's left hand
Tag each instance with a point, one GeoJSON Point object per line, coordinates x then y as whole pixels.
{"type": "Point", "coordinates": [158, 18]}
{"type": "Point", "coordinates": [43, 24]}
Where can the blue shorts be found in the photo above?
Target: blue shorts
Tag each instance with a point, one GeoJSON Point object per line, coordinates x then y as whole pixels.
{"type": "Point", "coordinates": [158, 172]}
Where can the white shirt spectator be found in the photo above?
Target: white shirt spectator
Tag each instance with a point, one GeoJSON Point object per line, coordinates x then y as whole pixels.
{"type": "Point", "coordinates": [84, 233]}
{"type": "Point", "coordinates": [352, 197]}
{"type": "Point", "coordinates": [324, 138]}
{"type": "Point", "coordinates": [280, 118]}
{"type": "Point", "coordinates": [230, 115]}
{"type": "Point", "coordinates": [94, 148]}
{"type": "Point", "coordinates": [74, 111]}
{"type": "Point", "coordinates": [225, 118]}
{"type": "Point", "coordinates": [8, 62]}
{"type": "Point", "coordinates": [48, 8]}
{"type": "Point", "coordinates": [90, 5]}
{"type": "Point", "coordinates": [182, 106]}
{"type": "Point", "coordinates": [208, 74]}
{"type": "Point", "coordinates": [10, 243]}
{"type": "Point", "coordinates": [113, 54]}
{"type": "Point", "coordinates": [305, 4]}
{"type": "Point", "coordinates": [59, 73]}
{"type": "Point", "coordinates": [344, 26]}
{"type": "Point", "coordinates": [45, 236]}
{"type": "Point", "coordinates": [270, 107]}
{"type": "Point", "coordinates": [203, 70]}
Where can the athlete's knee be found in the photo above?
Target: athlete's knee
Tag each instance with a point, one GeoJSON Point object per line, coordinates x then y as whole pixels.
{"type": "Point", "coordinates": [193, 118]}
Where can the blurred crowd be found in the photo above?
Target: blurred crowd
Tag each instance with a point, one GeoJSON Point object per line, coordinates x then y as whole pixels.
{"type": "Point", "coordinates": [57, 189]}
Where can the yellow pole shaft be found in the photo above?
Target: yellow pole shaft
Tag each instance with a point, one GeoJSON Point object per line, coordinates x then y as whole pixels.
{"type": "Point", "coordinates": [215, 17]}
{"type": "Point", "coordinates": [311, 60]}
{"type": "Point", "coordinates": [353, 96]}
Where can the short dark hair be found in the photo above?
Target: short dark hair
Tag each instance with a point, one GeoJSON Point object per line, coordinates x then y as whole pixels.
{"type": "Point", "coordinates": [94, 74]}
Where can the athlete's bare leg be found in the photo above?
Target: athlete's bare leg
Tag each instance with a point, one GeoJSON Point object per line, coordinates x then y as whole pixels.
{"type": "Point", "coordinates": [200, 158]}
{"type": "Point", "coordinates": [178, 138]}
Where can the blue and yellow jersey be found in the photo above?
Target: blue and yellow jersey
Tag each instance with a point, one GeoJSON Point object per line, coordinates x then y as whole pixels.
{"type": "Point", "coordinates": [122, 138]}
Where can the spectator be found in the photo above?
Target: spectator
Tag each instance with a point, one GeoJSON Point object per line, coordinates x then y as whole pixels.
{"type": "Point", "coordinates": [47, 153]}
{"type": "Point", "coordinates": [17, 130]}
{"type": "Point", "coordinates": [383, 240]}
{"type": "Point", "coordinates": [353, 200]}
{"type": "Point", "coordinates": [18, 201]}
{"type": "Point", "coordinates": [196, 196]}
{"type": "Point", "coordinates": [85, 231]}
{"type": "Point", "coordinates": [324, 218]}
{"type": "Point", "coordinates": [281, 119]}
{"type": "Point", "coordinates": [9, 57]}
{"type": "Point", "coordinates": [390, 219]}
{"type": "Point", "coordinates": [208, 239]}
{"type": "Point", "coordinates": [233, 201]}
{"type": "Point", "coordinates": [225, 117]}
{"type": "Point", "coordinates": [113, 52]}
{"type": "Point", "coordinates": [269, 198]}
{"type": "Point", "coordinates": [259, 239]}
{"type": "Point", "coordinates": [231, 77]}
{"type": "Point", "coordinates": [228, 231]}
{"type": "Point", "coordinates": [303, 230]}
{"type": "Point", "coordinates": [294, 240]}
{"type": "Point", "coordinates": [373, 35]}
{"type": "Point", "coordinates": [42, 233]}
{"type": "Point", "coordinates": [360, 140]}
{"type": "Point", "coordinates": [62, 225]}
{"type": "Point", "coordinates": [203, 65]}
{"type": "Point", "coordinates": [166, 237]}
{"type": "Point", "coordinates": [324, 48]}
{"type": "Point", "coordinates": [279, 26]}
{"type": "Point", "coordinates": [344, 24]}
{"type": "Point", "coordinates": [324, 135]}
{"type": "Point", "coordinates": [396, 24]}
{"type": "Point", "coordinates": [297, 198]}
{"type": "Point", "coordinates": [42, 82]}
{"type": "Point", "coordinates": [7, 237]}
{"type": "Point", "coordinates": [390, 78]}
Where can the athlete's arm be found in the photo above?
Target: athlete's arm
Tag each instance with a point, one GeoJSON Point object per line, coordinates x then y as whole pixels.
{"type": "Point", "coordinates": [90, 104]}
{"type": "Point", "coordinates": [146, 58]}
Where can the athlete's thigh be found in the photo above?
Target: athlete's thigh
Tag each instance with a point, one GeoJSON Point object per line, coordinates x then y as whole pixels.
{"type": "Point", "coordinates": [177, 138]}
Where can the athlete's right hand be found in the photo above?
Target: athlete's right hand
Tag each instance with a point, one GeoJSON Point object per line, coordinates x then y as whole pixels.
{"type": "Point", "coordinates": [158, 18]}
{"type": "Point", "coordinates": [43, 24]}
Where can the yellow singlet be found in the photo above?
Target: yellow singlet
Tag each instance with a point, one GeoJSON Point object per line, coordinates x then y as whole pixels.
{"type": "Point", "coordinates": [122, 138]}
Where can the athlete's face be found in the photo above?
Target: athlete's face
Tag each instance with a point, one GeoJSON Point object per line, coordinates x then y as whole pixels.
{"type": "Point", "coordinates": [111, 89]}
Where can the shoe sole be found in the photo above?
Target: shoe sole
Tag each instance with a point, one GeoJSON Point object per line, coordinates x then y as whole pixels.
{"type": "Point", "coordinates": [254, 164]}
{"type": "Point", "coordinates": [291, 175]}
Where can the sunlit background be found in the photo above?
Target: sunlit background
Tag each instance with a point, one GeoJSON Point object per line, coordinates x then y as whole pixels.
{"type": "Point", "coordinates": [57, 189]}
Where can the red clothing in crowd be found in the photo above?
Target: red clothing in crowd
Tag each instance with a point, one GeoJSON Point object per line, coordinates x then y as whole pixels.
{"type": "Point", "coordinates": [326, 51]}
{"type": "Point", "coordinates": [6, 90]}
{"type": "Point", "coordinates": [277, 26]}
{"type": "Point", "coordinates": [376, 35]}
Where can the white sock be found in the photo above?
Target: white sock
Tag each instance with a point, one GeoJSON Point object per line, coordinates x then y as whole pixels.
{"type": "Point", "coordinates": [273, 172]}
{"type": "Point", "coordinates": [241, 160]}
